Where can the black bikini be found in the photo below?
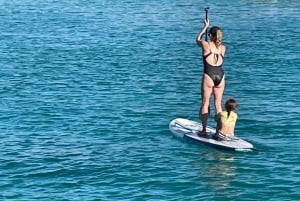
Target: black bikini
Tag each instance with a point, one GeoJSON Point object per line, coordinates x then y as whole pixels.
{"type": "Point", "coordinates": [216, 73]}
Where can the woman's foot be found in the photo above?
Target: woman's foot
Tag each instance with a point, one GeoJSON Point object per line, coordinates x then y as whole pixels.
{"type": "Point", "coordinates": [216, 137]}
{"type": "Point", "coordinates": [202, 133]}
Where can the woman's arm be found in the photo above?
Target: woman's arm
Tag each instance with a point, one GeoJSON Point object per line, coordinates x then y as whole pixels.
{"type": "Point", "coordinates": [223, 50]}
{"type": "Point", "coordinates": [201, 32]}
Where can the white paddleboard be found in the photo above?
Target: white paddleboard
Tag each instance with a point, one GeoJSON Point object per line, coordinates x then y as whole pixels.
{"type": "Point", "coordinates": [188, 129]}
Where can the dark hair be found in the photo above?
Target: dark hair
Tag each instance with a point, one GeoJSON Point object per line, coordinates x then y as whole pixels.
{"type": "Point", "coordinates": [230, 105]}
{"type": "Point", "coordinates": [216, 35]}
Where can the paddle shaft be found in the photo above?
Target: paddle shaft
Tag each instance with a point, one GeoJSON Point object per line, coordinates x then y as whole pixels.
{"type": "Point", "coordinates": [206, 17]}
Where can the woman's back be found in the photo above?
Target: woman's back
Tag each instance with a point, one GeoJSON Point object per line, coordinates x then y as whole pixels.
{"type": "Point", "coordinates": [213, 55]}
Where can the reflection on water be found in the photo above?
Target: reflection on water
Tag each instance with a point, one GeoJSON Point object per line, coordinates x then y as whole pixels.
{"type": "Point", "coordinates": [219, 170]}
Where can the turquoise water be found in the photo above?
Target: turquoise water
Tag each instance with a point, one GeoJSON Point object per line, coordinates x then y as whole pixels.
{"type": "Point", "coordinates": [88, 89]}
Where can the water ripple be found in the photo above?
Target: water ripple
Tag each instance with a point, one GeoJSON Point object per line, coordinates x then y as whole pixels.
{"type": "Point", "coordinates": [88, 90]}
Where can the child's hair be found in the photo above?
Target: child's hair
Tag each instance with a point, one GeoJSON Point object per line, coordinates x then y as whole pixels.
{"type": "Point", "coordinates": [230, 105]}
{"type": "Point", "coordinates": [216, 35]}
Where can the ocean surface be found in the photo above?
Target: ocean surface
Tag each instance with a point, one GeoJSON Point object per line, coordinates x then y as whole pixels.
{"type": "Point", "coordinates": [88, 89]}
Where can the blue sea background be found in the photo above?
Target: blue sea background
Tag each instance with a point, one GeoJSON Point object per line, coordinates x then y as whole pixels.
{"type": "Point", "coordinates": [88, 89]}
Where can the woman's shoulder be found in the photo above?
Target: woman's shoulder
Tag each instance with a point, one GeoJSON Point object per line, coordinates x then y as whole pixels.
{"type": "Point", "coordinates": [223, 47]}
{"type": "Point", "coordinates": [205, 47]}
{"type": "Point", "coordinates": [205, 43]}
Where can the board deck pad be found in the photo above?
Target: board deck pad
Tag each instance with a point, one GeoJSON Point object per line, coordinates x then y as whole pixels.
{"type": "Point", "coordinates": [188, 129]}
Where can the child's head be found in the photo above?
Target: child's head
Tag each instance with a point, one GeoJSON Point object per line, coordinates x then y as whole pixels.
{"type": "Point", "coordinates": [230, 104]}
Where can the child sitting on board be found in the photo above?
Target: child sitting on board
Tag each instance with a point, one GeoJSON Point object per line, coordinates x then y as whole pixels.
{"type": "Point", "coordinates": [226, 121]}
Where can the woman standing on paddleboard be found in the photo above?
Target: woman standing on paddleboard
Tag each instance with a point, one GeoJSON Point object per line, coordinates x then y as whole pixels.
{"type": "Point", "coordinates": [213, 79]}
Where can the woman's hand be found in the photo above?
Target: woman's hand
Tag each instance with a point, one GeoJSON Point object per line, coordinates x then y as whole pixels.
{"type": "Point", "coordinates": [206, 23]}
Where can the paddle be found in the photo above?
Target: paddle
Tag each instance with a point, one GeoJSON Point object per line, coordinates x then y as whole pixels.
{"type": "Point", "coordinates": [206, 17]}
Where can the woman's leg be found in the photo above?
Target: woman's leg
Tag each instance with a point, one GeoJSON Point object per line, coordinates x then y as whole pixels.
{"type": "Point", "coordinates": [207, 88]}
{"type": "Point", "coordinates": [218, 94]}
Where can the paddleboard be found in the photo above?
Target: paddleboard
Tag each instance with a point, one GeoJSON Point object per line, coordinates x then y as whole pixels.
{"type": "Point", "coordinates": [188, 130]}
